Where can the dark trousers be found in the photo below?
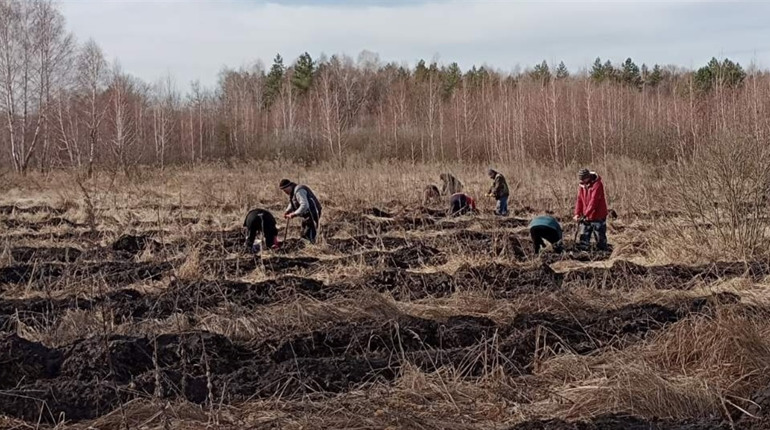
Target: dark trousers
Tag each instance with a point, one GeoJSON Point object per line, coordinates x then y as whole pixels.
{"type": "Point", "coordinates": [542, 233]}
{"type": "Point", "coordinates": [502, 206]}
{"type": "Point", "coordinates": [587, 230]}
{"type": "Point", "coordinates": [310, 227]}
{"type": "Point", "coordinates": [260, 221]}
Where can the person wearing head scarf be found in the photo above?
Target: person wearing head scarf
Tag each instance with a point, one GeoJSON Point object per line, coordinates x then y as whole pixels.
{"type": "Point", "coordinates": [302, 203]}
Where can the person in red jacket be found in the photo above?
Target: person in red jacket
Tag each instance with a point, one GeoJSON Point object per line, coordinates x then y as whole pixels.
{"type": "Point", "coordinates": [591, 209]}
{"type": "Point", "coordinates": [461, 204]}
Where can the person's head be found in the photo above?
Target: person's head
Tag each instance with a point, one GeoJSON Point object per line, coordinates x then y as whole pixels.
{"type": "Point", "coordinates": [584, 175]}
{"type": "Point", "coordinates": [286, 186]}
{"type": "Point", "coordinates": [492, 173]}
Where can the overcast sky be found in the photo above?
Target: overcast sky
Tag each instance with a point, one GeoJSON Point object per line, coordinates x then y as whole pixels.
{"type": "Point", "coordinates": [196, 39]}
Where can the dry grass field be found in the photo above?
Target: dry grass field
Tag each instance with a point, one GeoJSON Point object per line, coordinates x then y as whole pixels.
{"type": "Point", "coordinates": [130, 304]}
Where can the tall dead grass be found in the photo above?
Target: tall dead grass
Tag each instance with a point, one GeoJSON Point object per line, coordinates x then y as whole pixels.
{"type": "Point", "coordinates": [701, 367]}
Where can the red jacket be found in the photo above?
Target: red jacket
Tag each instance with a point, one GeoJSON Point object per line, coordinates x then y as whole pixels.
{"type": "Point", "coordinates": [471, 202]}
{"type": "Point", "coordinates": [591, 202]}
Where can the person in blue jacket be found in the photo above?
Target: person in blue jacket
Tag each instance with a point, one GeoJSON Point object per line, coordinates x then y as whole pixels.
{"type": "Point", "coordinates": [545, 228]}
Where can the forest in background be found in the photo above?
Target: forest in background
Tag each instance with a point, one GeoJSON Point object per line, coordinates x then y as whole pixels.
{"type": "Point", "coordinates": [64, 105]}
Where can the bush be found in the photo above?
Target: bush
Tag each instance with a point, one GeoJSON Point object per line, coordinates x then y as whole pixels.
{"type": "Point", "coordinates": [722, 191]}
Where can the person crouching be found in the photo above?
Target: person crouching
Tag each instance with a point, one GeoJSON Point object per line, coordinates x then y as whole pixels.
{"type": "Point", "coordinates": [545, 228]}
{"type": "Point", "coordinates": [260, 221]}
{"type": "Point", "coordinates": [461, 204]}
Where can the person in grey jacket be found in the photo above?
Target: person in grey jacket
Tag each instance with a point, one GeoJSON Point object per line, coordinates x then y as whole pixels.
{"type": "Point", "coordinates": [302, 203]}
{"type": "Point", "coordinates": [449, 184]}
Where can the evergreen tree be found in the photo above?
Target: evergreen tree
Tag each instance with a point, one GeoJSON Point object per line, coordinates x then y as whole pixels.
{"type": "Point", "coordinates": [656, 76]}
{"type": "Point", "coordinates": [597, 71]}
{"type": "Point", "coordinates": [629, 74]}
{"type": "Point", "coordinates": [541, 72]}
{"type": "Point", "coordinates": [421, 71]}
{"type": "Point", "coordinates": [726, 73]}
{"type": "Point", "coordinates": [302, 79]}
{"type": "Point", "coordinates": [452, 76]}
{"type": "Point", "coordinates": [609, 71]}
{"type": "Point", "coordinates": [274, 81]}
{"type": "Point", "coordinates": [561, 71]}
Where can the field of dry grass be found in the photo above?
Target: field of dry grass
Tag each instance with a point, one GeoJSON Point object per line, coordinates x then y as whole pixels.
{"type": "Point", "coordinates": [129, 304]}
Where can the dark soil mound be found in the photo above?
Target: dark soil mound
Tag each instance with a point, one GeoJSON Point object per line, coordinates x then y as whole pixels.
{"type": "Point", "coordinates": [112, 272]}
{"type": "Point", "coordinates": [405, 285]}
{"type": "Point", "coordinates": [508, 281]}
{"type": "Point", "coordinates": [25, 254]}
{"type": "Point", "coordinates": [133, 245]}
{"type": "Point", "coordinates": [362, 243]}
{"type": "Point", "coordinates": [92, 376]}
{"type": "Point", "coordinates": [624, 274]}
{"type": "Point", "coordinates": [499, 244]}
{"type": "Point", "coordinates": [621, 422]}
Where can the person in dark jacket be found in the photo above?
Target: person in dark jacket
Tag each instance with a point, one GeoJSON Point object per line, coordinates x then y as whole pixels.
{"type": "Point", "coordinates": [499, 191]}
{"type": "Point", "coordinates": [545, 228]}
{"type": "Point", "coordinates": [461, 204]}
{"type": "Point", "coordinates": [449, 184]}
{"type": "Point", "coordinates": [302, 203]}
{"type": "Point", "coordinates": [260, 221]}
{"type": "Point", "coordinates": [591, 209]}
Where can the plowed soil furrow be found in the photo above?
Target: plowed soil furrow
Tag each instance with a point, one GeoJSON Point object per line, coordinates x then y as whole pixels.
{"type": "Point", "coordinates": [624, 274]}
{"type": "Point", "coordinates": [91, 377]}
{"type": "Point", "coordinates": [44, 276]}
{"type": "Point", "coordinates": [25, 254]}
{"type": "Point", "coordinates": [623, 422]}
{"type": "Point", "coordinates": [432, 344]}
{"type": "Point", "coordinates": [498, 280]}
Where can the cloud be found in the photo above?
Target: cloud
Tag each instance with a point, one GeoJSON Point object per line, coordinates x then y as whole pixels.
{"type": "Point", "coordinates": [195, 40]}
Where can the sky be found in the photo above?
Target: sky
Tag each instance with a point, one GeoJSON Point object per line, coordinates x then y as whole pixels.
{"type": "Point", "coordinates": [195, 40]}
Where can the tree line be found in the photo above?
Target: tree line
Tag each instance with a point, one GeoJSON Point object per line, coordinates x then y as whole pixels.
{"type": "Point", "coordinates": [63, 105]}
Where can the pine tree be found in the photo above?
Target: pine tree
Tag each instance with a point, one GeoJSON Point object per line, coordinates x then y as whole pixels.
{"type": "Point", "coordinates": [656, 76]}
{"type": "Point", "coordinates": [420, 71]}
{"type": "Point", "coordinates": [274, 81]}
{"type": "Point", "coordinates": [541, 73]}
{"type": "Point", "coordinates": [609, 71]}
{"type": "Point", "coordinates": [726, 73]}
{"type": "Point", "coordinates": [630, 74]}
{"type": "Point", "coordinates": [452, 76]}
{"type": "Point", "coordinates": [302, 79]}
{"type": "Point", "coordinates": [561, 71]}
{"type": "Point", "coordinates": [597, 71]}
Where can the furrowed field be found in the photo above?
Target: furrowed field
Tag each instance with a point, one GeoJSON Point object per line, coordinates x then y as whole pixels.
{"type": "Point", "coordinates": [131, 304]}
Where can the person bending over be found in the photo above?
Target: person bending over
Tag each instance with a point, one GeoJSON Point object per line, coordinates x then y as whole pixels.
{"type": "Point", "coordinates": [461, 204]}
{"type": "Point", "coordinates": [302, 203]}
{"type": "Point", "coordinates": [260, 221]}
{"type": "Point", "coordinates": [545, 228]}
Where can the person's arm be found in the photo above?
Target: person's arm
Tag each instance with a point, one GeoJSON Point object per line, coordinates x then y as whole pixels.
{"type": "Point", "coordinates": [288, 208]}
{"type": "Point", "coordinates": [304, 205]}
